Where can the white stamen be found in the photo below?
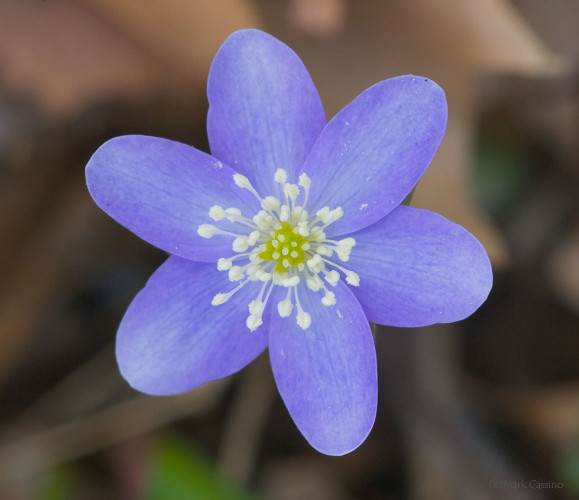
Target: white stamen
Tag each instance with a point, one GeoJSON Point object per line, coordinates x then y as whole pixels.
{"type": "Point", "coordinates": [305, 181]}
{"type": "Point", "coordinates": [206, 230]}
{"type": "Point", "coordinates": [284, 308]}
{"type": "Point", "coordinates": [233, 214]}
{"type": "Point", "coordinates": [236, 273]}
{"type": "Point", "coordinates": [291, 191]}
{"type": "Point", "coordinates": [352, 278]}
{"type": "Point", "coordinates": [219, 299]}
{"type": "Point", "coordinates": [316, 234]}
{"type": "Point", "coordinates": [332, 277]}
{"type": "Point", "coordinates": [270, 203]}
{"type": "Point", "coordinates": [263, 219]}
{"type": "Point", "coordinates": [324, 250]}
{"type": "Point", "coordinates": [253, 322]}
{"type": "Point", "coordinates": [280, 176]}
{"type": "Point", "coordinates": [242, 181]}
{"type": "Point", "coordinates": [263, 276]}
{"type": "Point", "coordinates": [330, 216]}
{"type": "Point", "coordinates": [290, 282]}
{"type": "Point", "coordinates": [217, 213]}
{"type": "Point", "coordinates": [298, 215]}
{"type": "Point", "coordinates": [315, 264]}
{"type": "Point", "coordinates": [253, 238]}
{"type": "Point", "coordinates": [284, 213]}
{"type": "Point", "coordinates": [314, 283]}
{"type": "Point", "coordinates": [240, 244]}
{"type": "Point", "coordinates": [323, 213]}
{"type": "Point", "coordinates": [344, 247]}
{"type": "Point", "coordinates": [329, 299]}
{"type": "Point", "coordinates": [256, 307]}
{"type": "Point", "coordinates": [304, 320]}
{"type": "Point", "coordinates": [224, 264]}
{"type": "Point", "coordinates": [304, 230]}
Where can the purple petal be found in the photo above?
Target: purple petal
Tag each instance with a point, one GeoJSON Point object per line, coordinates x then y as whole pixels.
{"type": "Point", "coordinates": [326, 374]}
{"type": "Point", "coordinates": [417, 268]}
{"type": "Point", "coordinates": [265, 112]}
{"type": "Point", "coordinates": [172, 340]}
{"type": "Point", "coordinates": [372, 153]}
{"type": "Point", "coordinates": [162, 191]}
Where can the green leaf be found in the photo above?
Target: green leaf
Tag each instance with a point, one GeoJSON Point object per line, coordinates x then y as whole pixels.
{"type": "Point", "coordinates": [502, 172]}
{"type": "Point", "coordinates": [181, 472]}
{"type": "Point", "coordinates": [569, 470]}
{"type": "Point", "coordinates": [56, 484]}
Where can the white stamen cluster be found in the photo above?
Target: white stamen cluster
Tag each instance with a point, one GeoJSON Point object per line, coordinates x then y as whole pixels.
{"type": "Point", "coordinates": [281, 245]}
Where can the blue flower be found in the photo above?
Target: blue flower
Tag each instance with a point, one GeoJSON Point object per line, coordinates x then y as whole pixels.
{"type": "Point", "coordinates": [289, 236]}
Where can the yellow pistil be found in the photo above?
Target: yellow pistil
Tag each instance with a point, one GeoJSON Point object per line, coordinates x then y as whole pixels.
{"type": "Point", "coordinates": [286, 247]}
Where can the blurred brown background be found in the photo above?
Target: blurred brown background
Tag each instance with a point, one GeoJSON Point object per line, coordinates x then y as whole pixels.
{"type": "Point", "coordinates": [462, 407]}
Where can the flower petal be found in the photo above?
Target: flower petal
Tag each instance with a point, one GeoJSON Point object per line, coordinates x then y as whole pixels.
{"type": "Point", "coordinates": [264, 110]}
{"type": "Point", "coordinates": [162, 191]}
{"type": "Point", "coordinates": [418, 268]}
{"type": "Point", "coordinates": [172, 340]}
{"type": "Point", "coordinates": [326, 374]}
{"type": "Point", "coordinates": [372, 153]}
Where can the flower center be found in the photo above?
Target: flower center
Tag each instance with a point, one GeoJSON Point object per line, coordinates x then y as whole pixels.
{"type": "Point", "coordinates": [288, 247]}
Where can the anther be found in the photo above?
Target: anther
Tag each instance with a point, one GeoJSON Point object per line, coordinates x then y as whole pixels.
{"type": "Point", "coordinates": [352, 278]}
{"type": "Point", "coordinates": [219, 299]}
{"type": "Point", "coordinates": [253, 237]}
{"type": "Point", "coordinates": [304, 320]}
{"type": "Point", "coordinates": [240, 244]}
{"type": "Point", "coordinates": [284, 213]}
{"type": "Point", "coordinates": [236, 273]}
{"type": "Point", "coordinates": [270, 203]}
{"type": "Point", "coordinates": [224, 264]}
{"type": "Point", "coordinates": [206, 230]}
{"type": "Point", "coordinates": [324, 250]}
{"type": "Point", "coordinates": [233, 214]}
{"type": "Point", "coordinates": [217, 213]}
{"type": "Point", "coordinates": [280, 176]}
{"type": "Point", "coordinates": [285, 307]}
{"type": "Point", "coordinates": [314, 283]}
{"type": "Point", "coordinates": [242, 181]}
{"type": "Point", "coordinates": [329, 299]}
{"type": "Point", "coordinates": [253, 322]}
{"type": "Point", "coordinates": [291, 191]}
{"type": "Point", "coordinates": [332, 277]}
{"type": "Point", "coordinates": [305, 181]}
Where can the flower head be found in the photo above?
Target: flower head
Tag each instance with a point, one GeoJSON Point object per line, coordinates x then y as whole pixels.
{"type": "Point", "coordinates": [290, 235]}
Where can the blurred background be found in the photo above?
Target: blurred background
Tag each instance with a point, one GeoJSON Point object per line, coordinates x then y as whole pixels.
{"type": "Point", "coordinates": [486, 408]}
